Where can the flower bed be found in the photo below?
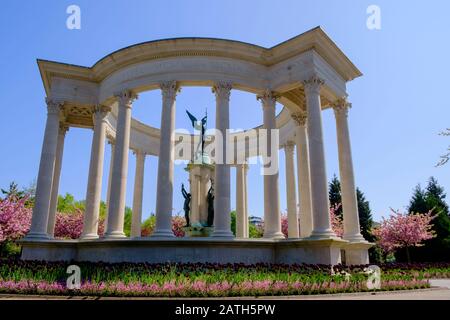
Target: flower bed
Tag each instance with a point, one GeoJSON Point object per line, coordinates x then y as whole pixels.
{"type": "Point", "coordinates": [204, 280]}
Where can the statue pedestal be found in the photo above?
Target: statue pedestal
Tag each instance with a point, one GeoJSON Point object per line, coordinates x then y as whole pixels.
{"type": "Point", "coordinates": [200, 177]}
{"type": "Point", "coordinates": [198, 231]}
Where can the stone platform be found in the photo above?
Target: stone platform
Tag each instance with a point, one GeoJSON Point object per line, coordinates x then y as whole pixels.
{"type": "Point", "coordinates": [248, 251]}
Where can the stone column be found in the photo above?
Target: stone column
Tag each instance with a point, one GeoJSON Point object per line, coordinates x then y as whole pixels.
{"type": "Point", "coordinates": [272, 216]}
{"type": "Point", "coordinates": [319, 183]}
{"type": "Point", "coordinates": [94, 187]}
{"type": "Point", "coordinates": [303, 176]}
{"type": "Point", "coordinates": [56, 178]}
{"type": "Point", "coordinates": [349, 201]}
{"type": "Point", "coordinates": [222, 218]}
{"type": "Point", "coordinates": [293, 231]}
{"type": "Point", "coordinates": [137, 195]}
{"type": "Point", "coordinates": [111, 142]}
{"type": "Point", "coordinates": [240, 201]}
{"type": "Point", "coordinates": [164, 197]}
{"type": "Point", "coordinates": [246, 228]}
{"type": "Point", "coordinates": [39, 221]}
{"type": "Point", "coordinates": [116, 208]}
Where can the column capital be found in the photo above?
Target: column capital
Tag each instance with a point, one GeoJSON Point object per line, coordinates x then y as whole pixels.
{"type": "Point", "coordinates": [169, 89]}
{"type": "Point", "coordinates": [54, 106]}
{"type": "Point", "coordinates": [300, 118]}
{"type": "Point", "coordinates": [100, 112]}
{"type": "Point", "coordinates": [341, 107]}
{"type": "Point", "coordinates": [222, 89]}
{"type": "Point", "coordinates": [289, 146]}
{"type": "Point", "coordinates": [110, 136]}
{"type": "Point", "coordinates": [63, 128]}
{"type": "Point", "coordinates": [126, 98]}
{"type": "Point", "coordinates": [268, 98]}
{"type": "Point", "coordinates": [313, 84]}
{"type": "Point", "coordinates": [139, 152]}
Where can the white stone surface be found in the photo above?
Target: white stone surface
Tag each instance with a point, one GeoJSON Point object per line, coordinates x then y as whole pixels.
{"type": "Point", "coordinates": [39, 221]}
{"type": "Point", "coordinates": [272, 216]}
{"type": "Point", "coordinates": [348, 190]}
{"type": "Point", "coordinates": [164, 195]}
{"type": "Point", "coordinates": [56, 177]}
{"type": "Point", "coordinates": [116, 209]}
{"type": "Point", "coordinates": [291, 200]}
{"type": "Point", "coordinates": [319, 183]}
{"type": "Point", "coordinates": [94, 188]}
{"type": "Point", "coordinates": [222, 218]}
{"type": "Point", "coordinates": [303, 175]}
{"type": "Point", "coordinates": [136, 219]}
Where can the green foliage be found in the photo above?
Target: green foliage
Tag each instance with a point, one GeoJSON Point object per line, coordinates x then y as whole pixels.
{"type": "Point", "coordinates": [422, 201]}
{"type": "Point", "coordinates": [334, 193]}
{"type": "Point", "coordinates": [233, 222]}
{"type": "Point", "coordinates": [127, 221]}
{"type": "Point", "coordinates": [365, 214]}
{"type": "Point", "coordinates": [68, 204]}
{"type": "Point", "coordinates": [254, 231]}
{"type": "Point", "coordinates": [13, 191]}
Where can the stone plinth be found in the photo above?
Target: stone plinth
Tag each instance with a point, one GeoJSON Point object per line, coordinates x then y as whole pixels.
{"type": "Point", "coordinates": [184, 250]}
{"type": "Point", "coordinates": [200, 177]}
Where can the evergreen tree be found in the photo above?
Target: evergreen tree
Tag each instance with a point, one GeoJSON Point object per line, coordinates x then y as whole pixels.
{"type": "Point", "coordinates": [418, 203]}
{"type": "Point", "coordinates": [365, 216]}
{"type": "Point", "coordinates": [334, 193]}
{"type": "Point", "coordinates": [432, 198]}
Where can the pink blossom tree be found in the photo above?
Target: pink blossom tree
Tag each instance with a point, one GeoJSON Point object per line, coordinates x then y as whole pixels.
{"type": "Point", "coordinates": [70, 225]}
{"type": "Point", "coordinates": [284, 224]}
{"type": "Point", "coordinates": [336, 221]}
{"type": "Point", "coordinates": [15, 219]}
{"type": "Point", "coordinates": [402, 230]}
{"type": "Point", "coordinates": [178, 223]}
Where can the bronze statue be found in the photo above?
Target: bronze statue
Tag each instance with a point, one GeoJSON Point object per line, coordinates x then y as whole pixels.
{"type": "Point", "coordinates": [201, 126]}
{"type": "Point", "coordinates": [187, 204]}
{"type": "Point", "coordinates": [210, 200]}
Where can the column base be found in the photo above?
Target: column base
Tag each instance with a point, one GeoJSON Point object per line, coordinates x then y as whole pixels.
{"type": "Point", "coordinates": [222, 234]}
{"type": "Point", "coordinates": [354, 238]}
{"type": "Point", "coordinates": [163, 233]}
{"type": "Point", "coordinates": [357, 253]}
{"type": "Point", "coordinates": [114, 235]}
{"type": "Point", "coordinates": [37, 236]}
{"type": "Point", "coordinates": [274, 235]}
{"type": "Point", "coordinates": [322, 234]}
{"type": "Point", "coordinates": [89, 236]}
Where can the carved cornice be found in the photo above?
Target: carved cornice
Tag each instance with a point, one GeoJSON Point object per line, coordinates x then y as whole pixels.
{"type": "Point", "coordinates": [222, 90]}
{"type": "Point", "coordinates": [300, 118]}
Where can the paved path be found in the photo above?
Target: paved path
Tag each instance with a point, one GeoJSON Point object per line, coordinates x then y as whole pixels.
{"type": "Point", "coordinates": [440, 290]}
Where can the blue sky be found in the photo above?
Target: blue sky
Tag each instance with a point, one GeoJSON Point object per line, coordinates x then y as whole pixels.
{"type": "Point", "coordinates": [398, 105]}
